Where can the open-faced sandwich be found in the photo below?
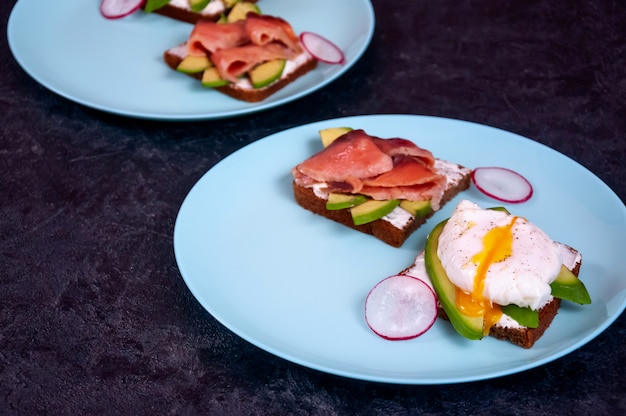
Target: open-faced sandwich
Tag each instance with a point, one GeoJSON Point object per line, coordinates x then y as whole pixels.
{"type": "Point", "coordinates": [498, 274]}
{"type": "Point", "coordinates": [386, 188]}
{"type": "Point", "coordinates": [193, 11]}
{"type": "Point", "coordinates": [248, 59]}
{"type": "Point", "coordinates": [190, 11]}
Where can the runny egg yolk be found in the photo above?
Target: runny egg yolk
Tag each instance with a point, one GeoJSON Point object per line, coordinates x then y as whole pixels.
{"type": "Point", "coordinates": [497, 246]}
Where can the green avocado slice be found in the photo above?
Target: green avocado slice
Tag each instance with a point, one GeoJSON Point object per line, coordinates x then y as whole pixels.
{"type": "Point", "coordinates": [469, 327]}
{"type": "Point", "coordinates": [266, 73]}
{"type": "Point", "coordinates": [416, 208]}
{"type": "Point", "coordinates": [212, 79]}
{"type": "Point", "coordinates": [372, 210]}
{"type": "Point", "coordinates": [567, 286]}
{"type": "Point", "coordinates": [194, 64]}
{"type": "Point", "coordinates": [524, 316]}
{"type": "Point", "coordinates": [337, 201]}
{"type": "Point", "coordinates": [198, 5]}
{"type": "Point", "coordinates": [152, 5]}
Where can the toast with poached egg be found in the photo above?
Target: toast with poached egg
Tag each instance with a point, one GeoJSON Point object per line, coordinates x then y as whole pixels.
{"type": "Point", "coordinates": [498, 274]}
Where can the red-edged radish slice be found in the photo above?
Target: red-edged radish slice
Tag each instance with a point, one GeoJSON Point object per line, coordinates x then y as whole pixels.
{"type": "Point", "coordinates": [321, 48]}
{"type": "Point", "coordinates": [502, 184]}
{"type": "Point", "coordinates": [400, 307]}
{"type": "Point", "coordinates": [116, 9]}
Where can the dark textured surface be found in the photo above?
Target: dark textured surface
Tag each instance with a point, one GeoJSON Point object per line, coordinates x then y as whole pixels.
{"type": "Point", "coordinates": [94, 316]}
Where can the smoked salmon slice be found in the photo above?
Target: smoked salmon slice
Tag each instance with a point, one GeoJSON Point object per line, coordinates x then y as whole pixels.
{"type": "Point", "coordinates": [397, 146]}
{"type": "Point", "coordinates": [208, 37]}
{"type": "Point", "coordinates": [237, 47]}
{"type": "Point", "coordinates": [234, 62]}
{"type": "Point", "coordinates": [263, 29]}
{"type": "Point", "coordinates": [382, 169]}
{"type": "Point", "coordinates": [352, 155]}
{"type": "Point", "coordinates": [423, 192]}
{"type": "Point", "coordinates": [407, 170]}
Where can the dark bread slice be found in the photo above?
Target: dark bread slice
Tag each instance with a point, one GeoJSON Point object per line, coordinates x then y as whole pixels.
{"type": "Point", "coordinates": [381, 228]}
{"type": "Point", "coordinates": [521, 336]}
{"type": "Point", "coordinates": [173, 58]}
{"type": "Point", "coordinates": [526, 337]}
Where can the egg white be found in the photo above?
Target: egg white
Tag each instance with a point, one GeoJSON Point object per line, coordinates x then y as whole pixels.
{"type": "Point", "coordinates": [522, 279]}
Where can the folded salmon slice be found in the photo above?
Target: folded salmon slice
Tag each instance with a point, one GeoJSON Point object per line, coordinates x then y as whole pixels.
{"type": "Point", "coordinates": [353, 155]}
{"type": "Point", "coordinates": [397, 146]}
{"type": "Point", "coordinates": [431, 191]}
{"type": "Point", "coordinates": [382, 169]}
{"type": "Point", "coordinates": [234, 62]}
{"type": "Point", "coordinates": [407, 170]}
{"type": "Point", "coordinates": [263, 29]}
{"type": "Point", "coordinates": [208, 37]}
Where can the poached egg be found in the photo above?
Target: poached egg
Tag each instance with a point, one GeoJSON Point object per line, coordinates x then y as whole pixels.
{"type": "Point", "coordinates": [495, 258]}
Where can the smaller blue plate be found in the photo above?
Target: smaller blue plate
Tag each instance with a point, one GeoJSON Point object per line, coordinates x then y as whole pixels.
{"type": "Point", "coordinates": [117, 65]}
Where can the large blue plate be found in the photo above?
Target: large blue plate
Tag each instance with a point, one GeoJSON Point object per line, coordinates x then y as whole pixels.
{"type": "Point", "coordinates": [116, 65]}
{"type": "Point", "coordinates": [294, 284]}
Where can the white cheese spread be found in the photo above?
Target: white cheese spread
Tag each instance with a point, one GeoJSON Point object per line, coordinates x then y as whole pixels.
{"type": "Point", "coordinates": [214, 7]}
{"type": "Point", "coordinates": [454, 174]}
{"type": "Point", "coordinates": [290, 66]}
{"type": "Point", "coordinates": [399, 217]}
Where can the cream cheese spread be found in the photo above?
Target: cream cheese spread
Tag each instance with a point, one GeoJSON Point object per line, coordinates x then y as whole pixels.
{"type": "Point", "coordinates": [214, 7]}
{"type": "Point", "coordinates": [454, 174]}
{"type": "Point", "coordinates": [290, 66]}
{"type": "Point", "coordinates": [399, 217]}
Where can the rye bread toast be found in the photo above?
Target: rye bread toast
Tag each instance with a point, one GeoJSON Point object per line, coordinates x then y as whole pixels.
{"type": "Point", "coordinates": [507, 329]}
{"type": "Point", "coordinates": [393, 231]}
{"type": "Point", "coordinates": [244, 91]}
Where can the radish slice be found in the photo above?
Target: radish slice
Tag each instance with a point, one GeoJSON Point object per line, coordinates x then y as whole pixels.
{"type": "Point", "coordinates": [502, 184]}
{"type": "Point", "coordinates": [115, 9]}
{"type": "Point", "coordinates": [400, 307]}
{"type": "Point", "coordinates": [321, 48]}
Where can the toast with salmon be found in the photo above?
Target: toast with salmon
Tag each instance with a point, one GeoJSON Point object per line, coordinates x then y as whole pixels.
{"type": "Point", "coordinates": [478, 263]}
{"type": "Point", "coordinates": [192, 11]}
{"type": "Point", "coordinates": [249, 59]}
{"type": "Point", "coordinates": [386, 188]}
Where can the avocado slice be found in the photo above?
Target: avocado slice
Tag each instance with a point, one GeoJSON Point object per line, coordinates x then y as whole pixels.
{"type": "Point", "coordinates": [198, 5]}
{"type": "Point", "coordinates": [194, 64]}
{"type": "Point", "coordinates": [501, 209]}
{"type": "Point", "coordinates": [468, 326]}
{"type": "Point", "coordinates": [524, 316]}
{"type": "Point", "coordinates": [338, 201]}
{"type": "Point", "coordinates": [330, 134]}
{"type": "Point", "coordinates": [266, 73]}
{"type": "Point", "coordinates": [567, 286]}
{"type": "Point", "coordinates": [211, 78]}
{"type": "Point", "coordinates": [241, 9]}
{"type": "Point", "coordinates": [152, 5]}
{"type": "Point", "coordinates": [416, 208]}
{"type": "Point", "coordinates": [372, 210]}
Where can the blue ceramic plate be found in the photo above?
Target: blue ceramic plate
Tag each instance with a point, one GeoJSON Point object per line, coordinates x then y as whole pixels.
{"type": "Point", "coordinates": [117, 66]}
{"type": "Point", "coordinates": [294, 284]}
